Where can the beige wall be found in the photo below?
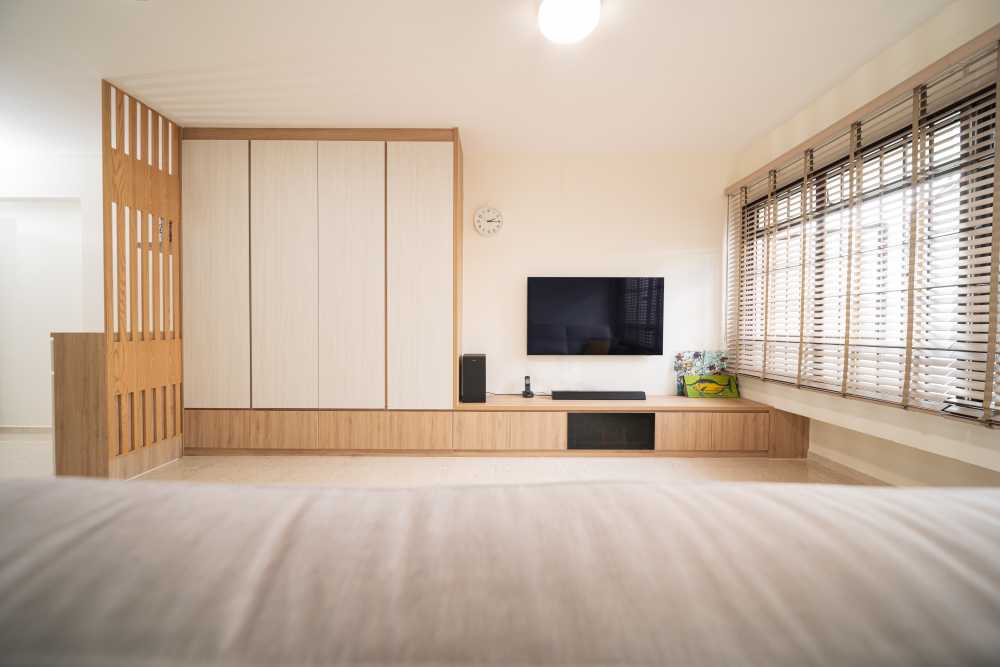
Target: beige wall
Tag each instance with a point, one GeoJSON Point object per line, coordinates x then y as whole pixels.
{"type": "Point", "coordinates": [957, 24]}
{"type": "Point", "coordinates": [892, 462]}
{"type": "Point", "coordinates": [592, 215]}
{"type": "Point", "coordinates": [968, 442]}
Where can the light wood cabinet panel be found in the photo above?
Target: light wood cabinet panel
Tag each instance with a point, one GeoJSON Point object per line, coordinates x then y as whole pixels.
{"type": "Point", "coordinates": [353, 429]}
{"type": "Point", "coordinates": [526, 431]}
{"type": "Point", "coordinates": [351, 195]}
{"type": "Point", "coordinates": [683, 432]}
{"type": "Point", "coordinates": [419, 189]}
{"type": "Point", "coordinates": [225, 429]}
{"type": "Point", "coordinates": [420, 430]}
{"type": "Point", "coordinates": [79, 404]}
{"type": "Point", "coordinates": [481, 430]}
{"type": "Point", "coordinates": [537, 430]}
{"type": "Point", "coordinates": [788, 435]}
{"type": "Point", "coordinates": [712, 431]}
{"type": "Point", "coordinates": [743, 432]}
{"type": "Point", "coordinates": [284, 429]}
{"type": "Point", "coordinates": [216, 274]}
{"type": "Point", "coordinates": [284, 278]}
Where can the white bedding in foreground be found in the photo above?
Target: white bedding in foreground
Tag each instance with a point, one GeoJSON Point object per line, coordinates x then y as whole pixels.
{"type": "Point", "coordinates": [118, 573]}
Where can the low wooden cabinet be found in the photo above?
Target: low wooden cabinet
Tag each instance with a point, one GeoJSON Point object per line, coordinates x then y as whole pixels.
{"type": "Point", "coordinates": [712, 431]}
{"type": "Point", "coordinates": [683, 428]}
{"type": "Point", "coordinates": [318, 430]}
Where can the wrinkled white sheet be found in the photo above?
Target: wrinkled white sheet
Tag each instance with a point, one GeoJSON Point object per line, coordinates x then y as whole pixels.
{"type": "Point", "coordinates": [127, 573]}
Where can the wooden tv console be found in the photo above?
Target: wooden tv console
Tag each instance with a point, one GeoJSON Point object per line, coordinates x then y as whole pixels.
{"type": "Point", "coordinates": [503, 425]}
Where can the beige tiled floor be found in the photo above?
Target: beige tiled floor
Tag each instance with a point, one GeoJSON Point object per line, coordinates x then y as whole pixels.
{"type": "Point", "coordinates": [30, 455]}
{"type": "Point", "coordinates": [363, 471]}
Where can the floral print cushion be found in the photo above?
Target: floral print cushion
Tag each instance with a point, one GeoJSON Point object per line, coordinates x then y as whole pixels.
{"type": "Point", "coordinates": [698, 362]}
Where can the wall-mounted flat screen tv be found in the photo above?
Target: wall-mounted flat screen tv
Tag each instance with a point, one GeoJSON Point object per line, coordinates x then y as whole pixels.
{"type": "Point", "coordinates": [595, 316]}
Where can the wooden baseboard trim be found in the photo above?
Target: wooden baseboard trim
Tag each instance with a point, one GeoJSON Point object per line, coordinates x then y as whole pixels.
{"type": "Point", "coordinates": [143, 460]}
{"type": "Point", "coordinates": [497, 453]}
{"type": "Point", "coordinates": [40, 430]}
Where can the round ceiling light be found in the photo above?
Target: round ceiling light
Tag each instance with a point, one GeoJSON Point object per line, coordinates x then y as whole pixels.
{"type": "Point", "coordinates": [568, 21]}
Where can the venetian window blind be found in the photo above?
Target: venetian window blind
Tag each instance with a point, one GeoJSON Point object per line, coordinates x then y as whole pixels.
{"type": "Point", "coordinates": [868, 265]}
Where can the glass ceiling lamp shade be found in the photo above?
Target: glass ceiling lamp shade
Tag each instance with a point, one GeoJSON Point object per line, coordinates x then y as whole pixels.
{"type": "Point", "coordinates": [568, 21]}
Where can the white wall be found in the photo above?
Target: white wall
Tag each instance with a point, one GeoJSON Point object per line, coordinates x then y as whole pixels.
{"type": "Point", "coordinates": [592, 215]}
{"type": "Point", "coordinates": [968, 442]}
{"type": "Point", "coordinates": [52, 174]}
{"type": "Point", "coordinates": [50, 142]}
{"type": "Point", "coordinates": [40, 292]}
{"type": "Point", "coordinates": [50, 201]}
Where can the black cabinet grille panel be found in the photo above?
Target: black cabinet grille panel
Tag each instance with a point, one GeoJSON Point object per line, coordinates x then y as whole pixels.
{"type": "Point", "coordinates": [611, 431]}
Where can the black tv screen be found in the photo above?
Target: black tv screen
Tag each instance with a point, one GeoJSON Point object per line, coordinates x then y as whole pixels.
{"type": "Point", "coordinates": [595, 316]}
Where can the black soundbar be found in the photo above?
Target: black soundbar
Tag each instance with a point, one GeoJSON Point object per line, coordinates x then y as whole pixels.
{"type": "Point", "coordinates": [562, 395]}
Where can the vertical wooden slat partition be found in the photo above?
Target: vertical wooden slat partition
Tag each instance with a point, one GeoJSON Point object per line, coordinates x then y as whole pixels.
{"type": "Point", "coordinates": [142, 295]}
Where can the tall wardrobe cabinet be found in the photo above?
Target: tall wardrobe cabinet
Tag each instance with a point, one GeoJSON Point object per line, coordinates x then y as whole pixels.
{"type": "Point", "coordinates": [319, 274]}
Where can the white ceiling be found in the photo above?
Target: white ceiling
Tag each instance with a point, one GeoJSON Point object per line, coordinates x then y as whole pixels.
{"type": "Point", "coordinates": [655, 75]}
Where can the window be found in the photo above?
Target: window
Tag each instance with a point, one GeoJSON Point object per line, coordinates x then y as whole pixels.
{"type": "Point", "coordinates": [868, 266]}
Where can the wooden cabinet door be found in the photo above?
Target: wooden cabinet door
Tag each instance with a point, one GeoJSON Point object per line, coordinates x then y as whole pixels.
{"type": "Point", "coordinates": [283, 274]}
{"type": "Point", "coordinates": [741, 431]}
{"type": "Point", "coordinates": [482, 430]}
{"type": "Point", "coordinates": [419, 430]}
{"type": "Point", "coordinates": [521, 431]}
{"type": "Point", "coordinates": [534, 431]}
{"type": "Point", "coordinates": [712, 431]}
{"type": "Point", "coordinates": [353, 429]}
{"type": "Point", "coordinates": [420, 261]}
{"type": "Point", "coordinates": [222, 429]}
{"type": "Point", "coordinates": [284, 429]}
{"type": "Point", "coordinates": [351, 239]}
{"type": "Point", "coordinates": [216, 274]}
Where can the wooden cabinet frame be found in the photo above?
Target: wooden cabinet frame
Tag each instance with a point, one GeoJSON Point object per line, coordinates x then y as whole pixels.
{"type": "Point", "coordinates": [746, 429]}
{"type": "Point", "coordinates": [447, 135]}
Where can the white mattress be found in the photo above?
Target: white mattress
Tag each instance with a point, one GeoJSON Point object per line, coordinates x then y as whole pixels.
{"type": "Point", "coordinates": [119, 573]}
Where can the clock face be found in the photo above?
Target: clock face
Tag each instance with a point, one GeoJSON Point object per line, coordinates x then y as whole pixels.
{"type": "Point", "coordinates": [488, 221]}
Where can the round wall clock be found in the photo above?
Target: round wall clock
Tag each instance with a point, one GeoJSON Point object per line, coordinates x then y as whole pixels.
{"type": "Point", "coordinates": [488, 221]}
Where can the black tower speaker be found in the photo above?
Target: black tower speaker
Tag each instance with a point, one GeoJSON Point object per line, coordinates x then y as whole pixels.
{"type": "Point", "coordinates": [472, 379]}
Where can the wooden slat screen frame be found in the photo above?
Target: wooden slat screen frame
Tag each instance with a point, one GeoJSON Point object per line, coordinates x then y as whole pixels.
{"type": "Point", "coordinates": [922, 137]}
{"type": "Point", "coordinates": [141, 156]}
